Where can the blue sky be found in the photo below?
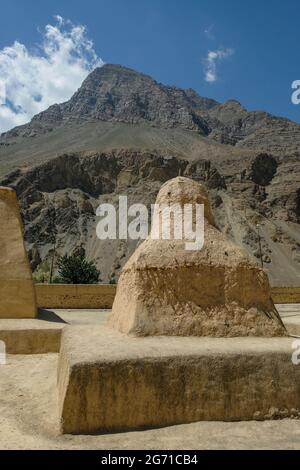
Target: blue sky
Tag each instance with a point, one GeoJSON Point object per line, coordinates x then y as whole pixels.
{"type": "Point", "coordinates": [257, 42]}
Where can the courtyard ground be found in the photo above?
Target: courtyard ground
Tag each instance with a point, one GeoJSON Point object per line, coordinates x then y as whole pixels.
{"type": "Point", "coordinates": [29, 418]}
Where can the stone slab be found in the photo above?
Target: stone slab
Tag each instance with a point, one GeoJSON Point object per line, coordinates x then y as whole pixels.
{"type": "Point", "coordinates": [110, 382]}
{"type": "Point", "coordinates": [31, 339]}
{"type": "Point", "coordinates": [43, 334]}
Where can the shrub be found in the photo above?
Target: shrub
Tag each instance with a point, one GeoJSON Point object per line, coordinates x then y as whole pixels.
{"type": "Point", "coordinates": [42, 272]}
{"type": "Point", "coordinates": [75, 269]}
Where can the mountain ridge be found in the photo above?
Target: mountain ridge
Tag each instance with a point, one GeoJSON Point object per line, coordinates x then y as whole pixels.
{"type": "Point", "coordinates": [113, 93]}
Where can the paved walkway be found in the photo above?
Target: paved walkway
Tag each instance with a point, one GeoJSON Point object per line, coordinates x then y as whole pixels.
{"type": "Point", "coordinates": [288, 310]}
{"type": "Point", "coordinates": [290, 314]}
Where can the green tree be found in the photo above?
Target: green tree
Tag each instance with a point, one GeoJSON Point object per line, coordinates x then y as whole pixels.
{"type": "Point", "coordinates": [75, 269]}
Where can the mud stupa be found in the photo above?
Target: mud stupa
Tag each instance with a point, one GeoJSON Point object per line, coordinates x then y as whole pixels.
{"type": "Point", "coordinates": [17, 294]}
{"type": "Point", "coordinates": [218, 291]}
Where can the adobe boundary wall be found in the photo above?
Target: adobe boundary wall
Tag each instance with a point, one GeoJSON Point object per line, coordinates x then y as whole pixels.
{"type": "Point", "coordinates": [95, 296]}
{"type": "Point", "coordinates": [286, 295]}
{"type": "Point", "coordinates": [89, 296]}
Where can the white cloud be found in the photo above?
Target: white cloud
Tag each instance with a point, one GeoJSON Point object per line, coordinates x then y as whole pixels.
{"type": "Point", "coordinates": [210, 63]}
{"type": "Point", "coordinates": [32, 81]}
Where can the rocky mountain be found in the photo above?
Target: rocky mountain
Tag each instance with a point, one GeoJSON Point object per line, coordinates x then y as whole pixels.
{"type": "Point", "coordinates": [122, 133]}
{"type": "Point", "coordinates": [117, 94]}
